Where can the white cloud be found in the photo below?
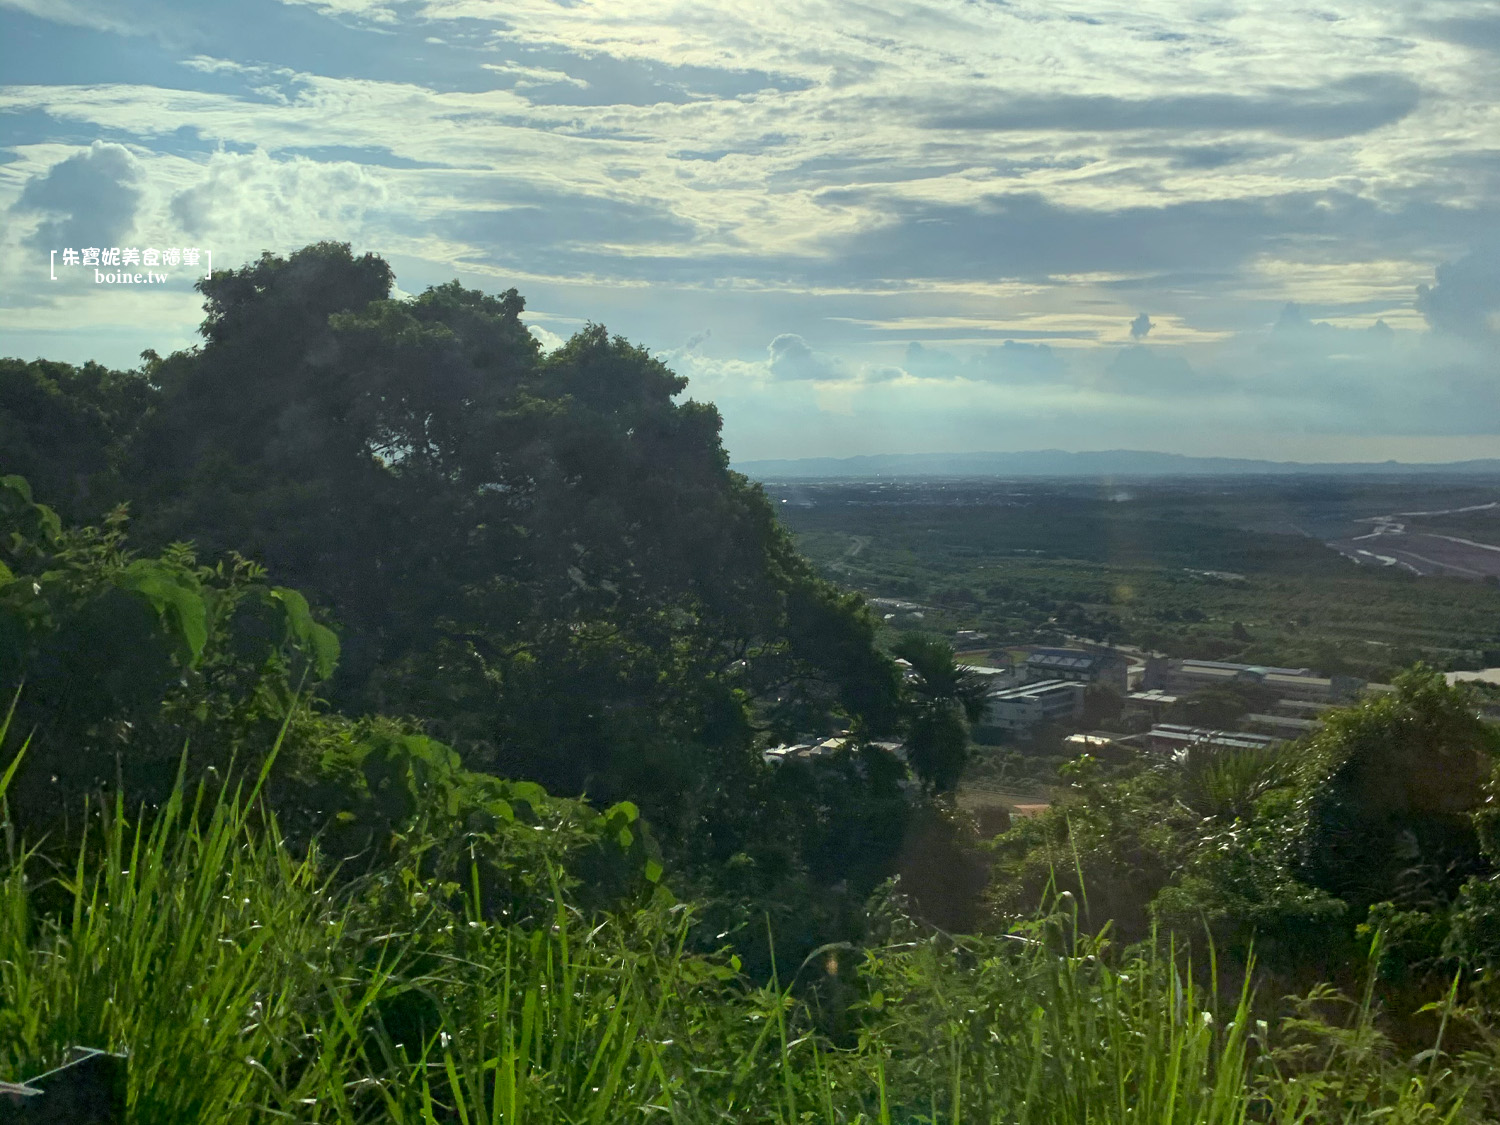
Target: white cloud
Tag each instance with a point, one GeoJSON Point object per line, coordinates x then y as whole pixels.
{"type": "Point", "coordinates": [550, 341]}
{"type": "Point", "coordinates": [87, 199]}
{"type": "Point", "coordinates": [527, 76]}
{"type": "Point", "coordinates": [792, 358]}
{"type": "Point", "coordinates": [1465, 297]}
{"type": "Point", "coordinates": [795, 173]}
{"type": "Point", "coordinates": [78, 13]}
{"type": "Point", "coordinates": [374, 11]}
{"type": "Point", "coordinates": [244, 199]}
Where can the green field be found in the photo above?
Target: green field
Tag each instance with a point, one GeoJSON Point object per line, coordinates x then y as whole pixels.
{"type": "Point", "coordinates": [1186, 569]}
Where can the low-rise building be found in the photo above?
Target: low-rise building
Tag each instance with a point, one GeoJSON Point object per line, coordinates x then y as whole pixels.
{"type": "Point", "coordinates": [1088, 743]}
{"type": "Point", "coordinates": [805, 751]}
{"type": "Point", "coordinates": [1300, 708]}
{"type": "Point", "coordinates": [1110, 745]}
{"type": "Point", "coordinates": [1020, 709]}
{"type": "Point", "coordinates": [991, 677]}
{"type": "Point", "coordinates": [1151, 703]}
{"type": "Point", "coordinates": [1285, 726]}
{"type": "Point", "coordinates": [813, 749]}
{"type": "Point", "coordinates": [787, 751]}
{"type": "Point", "coordinates": [1185, 676]}
{"type": "Point", "coordinates": [1077, 665]}
{"type": "Point", "coordinates": [1174, 738]}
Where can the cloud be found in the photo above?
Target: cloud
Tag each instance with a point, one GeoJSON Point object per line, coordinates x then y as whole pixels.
{"type": "Point", "coordinates": [375, 11]}
{"type": "Point", "coordinates": [792, 358]}
{"type": "Point", "coordinates": [1293, 320]}
{"type": "Point", "coordinates": [526, 77]}
{"type": "Point", "coordinates": [1153, 371]}
{"type": "Point", "coordinates": [930, 363]}
{"type": "Point", "coordinates": [550, 341]}
{"type": "Point", "coordinates": [1480, 33]}
{"type": "Point", "coordinates": [957, 173]}
{"type": "Point", "coordinates": [1465, 300]}
{"type": "Point", "coordinates": [77, 13]}
{"type": "Point", "coordinates": [1348, 106]}
{"type": "Point", "coordinates": [243, 200]}
{"type": "Point", "coordinates": [576, 229]}
{"type": "Point", "coordinates": [89, 199]}
{"type": "Point", "coordinates": [1012, 362]}
{"type": "Point", "coordinates": [1028, 235]}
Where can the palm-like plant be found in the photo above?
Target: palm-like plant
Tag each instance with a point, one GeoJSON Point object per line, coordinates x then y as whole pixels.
{"type": "Point", "coordinates": [942, 700]}
{"type": "Point", "coordinates": [1219, 781]}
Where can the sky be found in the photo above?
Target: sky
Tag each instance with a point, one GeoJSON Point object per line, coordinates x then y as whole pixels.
{"type": "Point", "coordinates": [1257, 228]}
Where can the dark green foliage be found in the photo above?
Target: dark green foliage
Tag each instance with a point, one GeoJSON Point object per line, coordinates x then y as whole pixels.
{"type": "Point", "coordinates": [1103, 706]}
{"type": "Point", "coordinates": [1378, 822]}
{"type": "Point", "coordinates": [247, 986]}
{"type": "Point", "coordinates": [548, 560]}
{"type": "Point", "coordinates": [131, 669]}
{"type": "Point", "coordinates": [67, 430]}
{"type": "Point", "coordinates": [126, 660]}
{"type": "Point", "coordinates": [543, 560]}
{"type": "Point", "coordinates": [542, 563]}
{"type": "Point", "coordinates": [943, 701]}
{"type": "Point", "coordinates": [1392, 818]}
{"type": "Point", "coordinates": [1114, 845]}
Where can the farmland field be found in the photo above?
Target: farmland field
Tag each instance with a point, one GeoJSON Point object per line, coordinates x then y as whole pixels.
{"type": "Point", "coordinates": [1255, 570]}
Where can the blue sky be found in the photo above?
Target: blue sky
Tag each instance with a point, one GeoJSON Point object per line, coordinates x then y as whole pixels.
{"type": "Point", "coordinates": [1255, 228]}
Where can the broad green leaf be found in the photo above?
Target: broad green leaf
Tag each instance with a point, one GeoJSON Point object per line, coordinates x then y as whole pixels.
{"type": "Point", "coordinates": [317, 642]}
{"type": "Point", "coordinates": [180, 605]}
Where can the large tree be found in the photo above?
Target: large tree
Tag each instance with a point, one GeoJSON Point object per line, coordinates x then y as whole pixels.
{"type": "Point", "coordinates": [66, 430]}
{"type": "Point", "coordinates": [544, 557]}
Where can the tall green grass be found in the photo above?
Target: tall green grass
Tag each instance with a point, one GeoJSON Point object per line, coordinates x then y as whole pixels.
{"type": "Point", "coordinates": [248, 985]}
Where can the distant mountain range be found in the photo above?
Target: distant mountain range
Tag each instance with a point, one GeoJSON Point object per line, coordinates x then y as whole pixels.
{"type": "Point", "coordinates": [1106, 463]}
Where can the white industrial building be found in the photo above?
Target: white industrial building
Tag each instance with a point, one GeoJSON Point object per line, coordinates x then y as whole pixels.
{"type": "Point", "coordinates": [1184, 676]}
{"type": "Point", "coordinates": [1020, 709]}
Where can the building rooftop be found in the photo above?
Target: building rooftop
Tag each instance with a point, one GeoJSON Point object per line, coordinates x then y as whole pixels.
{"type": "Point", "coordinates": [1229, 739]}
{"type": "Point", "coordinates": [1068, 658]}
{"type": "Point", "coordinates": [1155, 695]}
{"type": "Point", "coordinates": [1286, 722]}
{"type": "Point", "coordinates": [1041, 687]}
{"type": "Point", "coordinates": [1188, 665]}
{"type": "Point", "coordinates": [981, 670]}
{"type": "Point", "coordinates": [1305, 706]}
{"type": "Point", "coordinates": [1094, 738]}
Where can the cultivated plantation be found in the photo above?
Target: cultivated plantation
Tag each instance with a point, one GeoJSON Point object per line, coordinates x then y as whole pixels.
{"type": "Point", "coordinates": [1172, 565]}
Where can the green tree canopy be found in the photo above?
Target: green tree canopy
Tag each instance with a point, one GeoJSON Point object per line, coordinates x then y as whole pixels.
{"type": "Point", "coordinates": [546, 558]}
